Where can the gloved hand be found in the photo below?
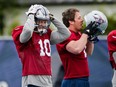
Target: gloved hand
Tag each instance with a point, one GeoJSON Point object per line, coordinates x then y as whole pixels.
{"type": "Point", "coordinates": [33, 9]}
{"type": "Point", "coordinates": [91, 29]}
{"type": "Point", "coordinates": [51, 17]}
{"type": "Point", "coordinates": [93, 39]}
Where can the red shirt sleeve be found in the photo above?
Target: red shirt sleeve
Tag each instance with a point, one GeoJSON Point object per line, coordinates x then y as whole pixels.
{"type": "Point", "coordinates": [112, 46]}
{"type": "Point", "coordinates": [16, 33]}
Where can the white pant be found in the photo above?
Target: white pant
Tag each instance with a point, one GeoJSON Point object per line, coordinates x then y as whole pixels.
{"type": "Point", "coordinates": [38, 80]}
{"type": "Point", "coordinates": [114, 79]}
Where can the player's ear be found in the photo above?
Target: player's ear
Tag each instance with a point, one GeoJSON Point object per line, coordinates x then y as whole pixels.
{"type": "Point", "coordinates": [71, 22]}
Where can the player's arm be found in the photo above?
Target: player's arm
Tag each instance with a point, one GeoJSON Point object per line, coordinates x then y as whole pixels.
{"type": "Point", "coordinates": [114, 56]}
{"type": "Point", "coordinates": [60, 34]}
{"type": "Point", "coordinates": [30, 24]}
{"type": "Point", "coordinates": [77, 46]}
{"type": "Point", "coordinates": [27, 29]}
{"type": "Point", "coordinates": [89, 48]}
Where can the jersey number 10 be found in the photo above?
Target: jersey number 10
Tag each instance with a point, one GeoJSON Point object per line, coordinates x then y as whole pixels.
{"type": "Point", "coordinates": [43, 45]}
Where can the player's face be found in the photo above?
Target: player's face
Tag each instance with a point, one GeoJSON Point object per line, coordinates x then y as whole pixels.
{"type": "Point", "coordinates": [42, 24]}
{"type": "Point", "coordinates": [78, 21]}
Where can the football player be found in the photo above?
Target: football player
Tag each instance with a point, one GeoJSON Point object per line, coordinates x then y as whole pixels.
{"type": "Point", "coordinates": [33, 43]}
{"type": "Point", "coordinates": [111, 38]}
{"type": "Point", "coordinates": [74, 51]}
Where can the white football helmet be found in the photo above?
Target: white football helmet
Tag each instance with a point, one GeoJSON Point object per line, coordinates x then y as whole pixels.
{"type": "Point", "coordinates": [42, 14]}
{"type": "Point", "coordinates": [99, 18]}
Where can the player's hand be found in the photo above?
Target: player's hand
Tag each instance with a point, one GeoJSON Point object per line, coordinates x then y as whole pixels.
{"type": "Point", "coordinates": [93, 39]}
{"type": "Point", "coordinates": [33, 9]}
{"type": "Point", "coordinates": [91, 29]}
{"type": "Point", "coordinates": [51, 17]}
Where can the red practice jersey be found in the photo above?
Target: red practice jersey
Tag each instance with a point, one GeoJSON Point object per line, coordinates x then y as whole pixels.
{"type": "Point", "coordinates": [75, 65]}
{"type": "Point", "coordinates": [112, 46]}
{"type": "Point", "coordinates": [35, 54]}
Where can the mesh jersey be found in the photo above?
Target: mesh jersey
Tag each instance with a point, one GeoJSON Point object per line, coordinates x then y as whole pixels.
{"type": "Point", "coordinates": [35, 54]}
{"type": "Point", "coordinates": [75, 66]}
{"type": "Point", "coordinates": [112, 46]}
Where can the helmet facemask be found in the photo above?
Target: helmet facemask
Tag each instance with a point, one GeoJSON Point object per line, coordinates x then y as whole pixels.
{"type": "Point", "coordinates": [41, 26]}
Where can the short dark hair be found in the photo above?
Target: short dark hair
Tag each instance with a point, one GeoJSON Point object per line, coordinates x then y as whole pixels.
{"type": "Point", "coordinates": [69, 15]}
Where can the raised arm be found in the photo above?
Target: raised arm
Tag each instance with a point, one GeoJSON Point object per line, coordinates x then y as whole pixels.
{"type": "Point", "coordinates": [27, 29]}
{"type": "Point", "coordinates": [29, 24]}
{"type": "Point", "coordinates": [89, 48]}
{"type": "Point", "coordinates": [60, 34]}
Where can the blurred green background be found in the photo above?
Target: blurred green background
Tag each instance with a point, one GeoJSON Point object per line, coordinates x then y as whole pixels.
{"type": "Point", "coordinates": [12, 12]}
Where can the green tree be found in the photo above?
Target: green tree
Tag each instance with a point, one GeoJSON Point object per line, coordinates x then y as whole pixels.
{"type": "Point", "coordinates": [4, 5]}
{"type": "Point", "coordinates": [111, 23]}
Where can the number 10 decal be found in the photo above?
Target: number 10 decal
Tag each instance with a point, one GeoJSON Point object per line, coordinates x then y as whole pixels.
{"type": "Point", "coordinates": [43, 45]}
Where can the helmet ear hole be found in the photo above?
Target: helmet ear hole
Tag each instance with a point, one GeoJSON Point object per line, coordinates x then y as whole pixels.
{"type": "Point", "coordinates": [99, 18]}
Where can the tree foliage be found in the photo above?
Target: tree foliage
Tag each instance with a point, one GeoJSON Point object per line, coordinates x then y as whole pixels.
{"type": "Point", "coordinates": [4, 5]}
{"type": "Point", "coordinates": [111, 23]}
